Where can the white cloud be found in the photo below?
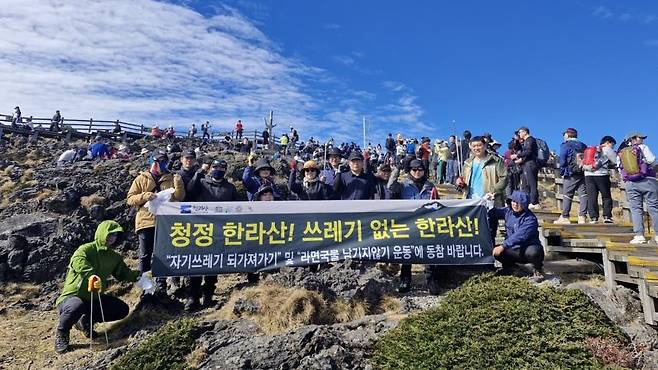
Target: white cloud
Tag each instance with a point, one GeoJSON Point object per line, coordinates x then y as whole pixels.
{"type": "Point", "coordinates": [145, 61]}
{"type": "Point", "coordinates": [630, 15]}
{"type": "Point", "coordinates": [331, 26]}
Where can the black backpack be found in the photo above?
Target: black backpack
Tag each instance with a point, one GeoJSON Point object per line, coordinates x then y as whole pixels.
{"type": "Point", "coordinates": [543, 153]}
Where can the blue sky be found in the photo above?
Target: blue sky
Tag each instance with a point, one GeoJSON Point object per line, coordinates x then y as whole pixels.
{"type": "Point", "coordinates": [408, 67]}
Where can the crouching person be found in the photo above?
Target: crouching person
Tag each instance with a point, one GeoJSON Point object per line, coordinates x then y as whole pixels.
{"type": "Point", "coordinates": [74, 303]}
{"type": "Point", "coordinates": [521, 244]}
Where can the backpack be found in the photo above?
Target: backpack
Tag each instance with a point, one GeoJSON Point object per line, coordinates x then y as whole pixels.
{"type": "Point", "coordinates": [631, 164]}
{"type": "Point", "coordinates": [590, 156]}
{"type": "Point", "coordinates": [543, 153]}
{"type": "Point", "coordinates": [575, 163]}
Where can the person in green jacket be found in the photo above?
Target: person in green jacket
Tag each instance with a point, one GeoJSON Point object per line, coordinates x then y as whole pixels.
{"type": "Point", "coordinates": [99, 260]}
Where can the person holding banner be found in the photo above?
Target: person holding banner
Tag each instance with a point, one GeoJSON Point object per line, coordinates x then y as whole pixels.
{"type": "Point", "coordinates": [94, 259]}
{"type": "Point", "coordinates": [484, 174]}
{"type": "Point", "coordinates": [328, 174]}
{"type": "Point", "coordinates": [255, 177]}
{"type": "Point", "coordinates": [522, 244]}
{"type": "Point", "coordinates": [355, 183]}
{"type": "Point", "coordinates": [416, 186]}
{"type": "Point", "coordinates": [210, 186]}
{"type": "Point", "coordinates": [143, 189]}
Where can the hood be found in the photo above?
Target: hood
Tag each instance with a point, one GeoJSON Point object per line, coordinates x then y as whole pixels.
{"type": "Point", "coordinates": [520, 197]}
{"type": "Point", "coordinates": [104, 229]}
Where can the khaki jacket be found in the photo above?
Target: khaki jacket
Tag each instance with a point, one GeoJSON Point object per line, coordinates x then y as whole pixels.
{"type": "Point", "coordinates": [495, 177]}
{"type": "Point", "coordinates": [142, 188]}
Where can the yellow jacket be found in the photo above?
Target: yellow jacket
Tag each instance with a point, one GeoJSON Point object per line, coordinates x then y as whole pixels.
{"type": "Point", "coordinates": [143, 187]}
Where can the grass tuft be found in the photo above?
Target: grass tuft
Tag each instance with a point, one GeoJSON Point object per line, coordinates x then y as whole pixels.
{"type": "Point", "coordinates": [499, 323]}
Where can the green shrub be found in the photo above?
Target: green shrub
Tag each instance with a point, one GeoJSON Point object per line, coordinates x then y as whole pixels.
{"type": "Point", "coordinates": [164, 349]}
{"type": "Point", "coordinates": [499, 323]}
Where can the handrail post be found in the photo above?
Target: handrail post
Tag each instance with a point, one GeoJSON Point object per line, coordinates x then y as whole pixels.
{"type": "Point", "coordinates": [91, 122]}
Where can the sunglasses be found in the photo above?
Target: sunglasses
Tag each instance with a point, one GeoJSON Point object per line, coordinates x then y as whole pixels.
{"type": "Point", "coordinates": [418, 169]}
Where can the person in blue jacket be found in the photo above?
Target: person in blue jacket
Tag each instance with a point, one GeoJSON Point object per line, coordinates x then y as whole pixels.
{"type": "Point", "coordinates": [99, 149]}
{"type": "Point", "coordinates": [255, 176]}
{"type": "Point", "coordinates": [521, 244]}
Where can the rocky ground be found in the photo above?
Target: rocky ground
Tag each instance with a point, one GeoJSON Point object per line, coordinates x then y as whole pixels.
{"type": "Point", "coordinates": [291, 319]}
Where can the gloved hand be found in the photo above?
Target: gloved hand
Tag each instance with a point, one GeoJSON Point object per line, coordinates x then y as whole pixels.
{"type": "Point", "coordinates": [94, 284]}
{"type": "Point", "coordinates": [146, 284]}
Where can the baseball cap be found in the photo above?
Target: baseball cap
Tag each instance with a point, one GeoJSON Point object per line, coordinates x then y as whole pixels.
{"type": "Point", "coordinates": [219, 163]}
{"type": "Point", "coordinates": [190, 153]}
{"type": "Point", "coordinates": [159, 153]}
{"type": "Point", "coordinates": [633, 134]}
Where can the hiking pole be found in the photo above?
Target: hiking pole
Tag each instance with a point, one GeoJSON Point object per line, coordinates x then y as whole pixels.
{"type": "Point", "coordinates": [100, 302]}
{"type": "Point", "coordinates": [91, 321]}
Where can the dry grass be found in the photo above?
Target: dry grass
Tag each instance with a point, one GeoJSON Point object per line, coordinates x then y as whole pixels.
{"type": "Point", "coordinates": [281, 309]}
{"type": "Point", "coordinates": [91, 200]}
{"type": "Point", "coordinates": [7, 187]}
{"type": "Point", "coordinates": [43, 194]}
{"type": "Point", "coordinates": [27, 175]}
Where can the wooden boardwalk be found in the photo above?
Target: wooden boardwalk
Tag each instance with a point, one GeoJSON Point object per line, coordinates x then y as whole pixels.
{"type": "Point", "coordinates": [632, 265]}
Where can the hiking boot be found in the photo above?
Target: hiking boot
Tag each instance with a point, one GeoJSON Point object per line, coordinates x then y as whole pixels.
{"type": "Point", "coordinates": [537, 275]}
{"type": "Point", "coordinates": [562, 221]}
{"type": "Point", "coordinates": [191, 304]}
{"type": "Point", "coordinates": [582, 220]}
{"type": "Point", "coordinates": [608, 220]}
{"type": "Point", "coordinates": [84, 326]}
{"type": "Point", "coordinates": [405, 285]}
{"type": "Point", "coordinates": [594, 221]}
{"type": "Point", "coordinates": [207, 301]}
{"type": "Point", "coordinates": [61, 341]}
{"type": "Point", "coordinates": [433, 285]}
{"type": "Point", "coordinates": [638, 239]}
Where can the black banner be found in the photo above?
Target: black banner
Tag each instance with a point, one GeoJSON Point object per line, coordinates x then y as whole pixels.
{"type": "Point", "coordinates": [215, 238]}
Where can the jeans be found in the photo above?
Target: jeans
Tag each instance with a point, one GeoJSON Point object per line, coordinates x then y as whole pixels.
{"type": "Point", "coordinates": [571, 185]}
{"type": "Point", "coordinates": [74, 308]}
{"type": "Point", "coordinates": [637, 192]}
{"type": "Point", "coordinates": [451, 170]}
{"type": "Point", "coordinates": [533, 254]}
{"type": "Point", "coordinates": [530, 172]}
{"type": "Point", "coordinates": [594, 186]}
{"type": "Point", "coordinates": [146, 239]}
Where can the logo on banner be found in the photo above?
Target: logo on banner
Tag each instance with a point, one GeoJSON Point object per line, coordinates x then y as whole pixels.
{"type": "Point", "coordinates": [193, 209]}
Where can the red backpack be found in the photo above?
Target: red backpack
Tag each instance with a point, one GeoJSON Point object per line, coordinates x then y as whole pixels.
{"type": "Point", "coordinates": [589, 156]}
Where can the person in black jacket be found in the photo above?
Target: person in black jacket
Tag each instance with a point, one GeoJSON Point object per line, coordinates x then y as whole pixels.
{"type": "Point", "coordinates": [355, 183]}
{"type": "Point", "coordinates": [527, 159]}
{"type": "Point", "coordinates": [310, 188]}
{"type": "Point", "coordinates": [381, 183]}
{"type": "Point", "coordinates": [209, 187]}
{"type": "Point", "coordinates": [187, 171]}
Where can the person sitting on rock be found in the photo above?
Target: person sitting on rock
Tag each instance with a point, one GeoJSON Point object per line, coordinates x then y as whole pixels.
{"type": "Point", "coordinates": [74, 303]}
{"type": "Point", "coordinates": [521, 244]}
{"type": "Point", "coordinates": [255, 177]}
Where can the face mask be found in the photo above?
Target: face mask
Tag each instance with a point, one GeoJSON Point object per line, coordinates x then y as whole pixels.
{"type": "Point", "coordinates": [217, 174]}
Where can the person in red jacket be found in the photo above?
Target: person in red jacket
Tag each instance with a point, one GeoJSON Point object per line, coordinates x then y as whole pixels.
{"type": "Point", "coordinates": [238, 129]}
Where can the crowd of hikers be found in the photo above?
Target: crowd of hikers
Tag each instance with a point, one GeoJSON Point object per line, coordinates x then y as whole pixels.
{"type": "Point", "coordinates": [404, 168]}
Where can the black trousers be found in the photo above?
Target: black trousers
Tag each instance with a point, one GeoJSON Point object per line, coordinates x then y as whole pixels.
{"type": "Point", "coordinates": [74, 308]}
{"type": "Point", "coordinates": [533, 254]}
{"type": "Point", "coordinates": [530, 173]}
{"type": "Point", "coordinates": [195, 289]}
{"type": "Point", "coordinates": [146, 239]}
{"type": "Point", "coordinates": [405, 271]}
{"type": "Point", "coordinates": [596, 185]}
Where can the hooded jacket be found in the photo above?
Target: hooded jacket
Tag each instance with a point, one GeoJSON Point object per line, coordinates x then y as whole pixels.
{"type": "Point", "coordinates": [95, 258]}
{"type": "Point", "coordinates": [143, 186]}
{"type": "Point", "coordinates": [521, 228]}
{"type": "Point", "coordinates": [205, 189]}
{"type": "Point", "coordinates": [252, 182]}
{"type": "Point", "coordinates": [494, 174]}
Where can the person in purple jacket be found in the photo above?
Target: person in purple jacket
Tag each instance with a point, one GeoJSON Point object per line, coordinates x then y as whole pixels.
{"type": "Point", "coordinates": [521, 244]}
